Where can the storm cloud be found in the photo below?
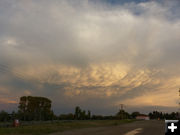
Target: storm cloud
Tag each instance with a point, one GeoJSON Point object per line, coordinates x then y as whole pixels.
{"type": "Point", "coordinates": [95, 54]}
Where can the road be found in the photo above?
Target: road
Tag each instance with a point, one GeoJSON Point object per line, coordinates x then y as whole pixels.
{"type": "Point", "coordinates": [135, 128]}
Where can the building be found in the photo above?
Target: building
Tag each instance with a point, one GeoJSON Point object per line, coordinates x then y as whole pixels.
{"type": "Point", "coordinates": [142, 117]}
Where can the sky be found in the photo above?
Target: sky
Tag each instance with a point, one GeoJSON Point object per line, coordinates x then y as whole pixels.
{"type": "Point", "coordinates": [96, 54]}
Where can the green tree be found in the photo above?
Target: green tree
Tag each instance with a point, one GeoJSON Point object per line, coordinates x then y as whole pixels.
{"type": "Point", "coordinates": [77, 113]}
{"type": "Point", "coordinates": [83, 115]}
{"type": "Point", "coordinates": [89, 115]}
{"type": "Point", "coordinates": [35, 108]}
{"type": "Point", "coordinates": [4, 116]}
{"type": "Point", "coordinates": [122, 114]}
{"type": "Point", "coordinates": [135, 114]}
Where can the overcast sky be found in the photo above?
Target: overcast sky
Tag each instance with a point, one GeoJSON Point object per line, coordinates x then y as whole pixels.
{"type": "Point", "coordinates": [97, 54]}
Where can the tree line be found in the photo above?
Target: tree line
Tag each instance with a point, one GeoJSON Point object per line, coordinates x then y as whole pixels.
{"type": "Point", "coordinates": [161, 115]}
{"type": "Point", "coordinates": [39, 109]}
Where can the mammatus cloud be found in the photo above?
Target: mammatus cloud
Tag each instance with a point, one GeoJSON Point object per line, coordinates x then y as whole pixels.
{"type": "Point", "coordinates": [79, 52]}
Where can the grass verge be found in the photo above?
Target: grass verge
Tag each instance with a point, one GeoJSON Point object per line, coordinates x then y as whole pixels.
{"type": "Point", "coordinates": [59, 126]}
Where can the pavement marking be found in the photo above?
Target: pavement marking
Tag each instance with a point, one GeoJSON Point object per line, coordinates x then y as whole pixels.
{"type": "Point", "coordinates": [133, 132]}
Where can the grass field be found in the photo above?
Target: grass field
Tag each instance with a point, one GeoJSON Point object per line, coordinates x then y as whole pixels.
{"type": "Point", "coordinates": [59, 126]}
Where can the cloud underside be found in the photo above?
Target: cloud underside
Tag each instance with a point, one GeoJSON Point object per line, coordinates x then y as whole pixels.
{"type": "Point", "coordinates": [77, 53]}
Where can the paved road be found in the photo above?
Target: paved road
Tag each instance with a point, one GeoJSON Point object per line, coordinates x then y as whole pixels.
{"type": "Point", "coordinates": [135, 128]}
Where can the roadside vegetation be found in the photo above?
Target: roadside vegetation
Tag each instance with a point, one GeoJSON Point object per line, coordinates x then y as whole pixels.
{"type": "Point", "coordinates": [60, 126]}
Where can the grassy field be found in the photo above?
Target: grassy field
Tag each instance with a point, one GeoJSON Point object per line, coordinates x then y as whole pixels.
{"type": "Point", "coordinates": [60, 126]}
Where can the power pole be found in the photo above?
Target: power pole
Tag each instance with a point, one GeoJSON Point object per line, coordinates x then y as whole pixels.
{"type": "Point", "coordinates": [179, 105]}
{"type": "Point", "coordinates": [122, 111]}
{"type": "Point", "coordinates": [179, 99]}
{"type": "Point", "coordinates": [122, 106]}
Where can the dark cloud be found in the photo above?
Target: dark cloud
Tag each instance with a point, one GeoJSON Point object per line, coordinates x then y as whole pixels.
{"type": "Point", "coordinates": [91, 54]}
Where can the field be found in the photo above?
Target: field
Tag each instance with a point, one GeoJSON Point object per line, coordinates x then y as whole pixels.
{"type": "Point", "coordinates": [58, 126]}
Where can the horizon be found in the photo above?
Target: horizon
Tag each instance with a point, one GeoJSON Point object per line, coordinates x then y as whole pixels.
{"type": "Point", "coordinates": [96, 54]}
{"type": "Point", "coordinates": [111, 112]}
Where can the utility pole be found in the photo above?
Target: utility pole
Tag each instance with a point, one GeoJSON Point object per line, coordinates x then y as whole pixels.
{"type": "Point", "coordinates": [122, 111]}
{"type": "Point", "coordinates": [179, 99]}
{"type": "Point", "coordinates": [179, 105]}
{"type": "Point", "coordinates": [122, 106]}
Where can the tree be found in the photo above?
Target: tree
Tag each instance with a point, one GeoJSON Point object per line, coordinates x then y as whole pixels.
{"type": "Point", "coordinates": [35, 108]}
{"type": "Point", "coordinates": [160, 115]}
{"type": "Point", "coordinates": [83, 115]}
{"type": "Point", "coordinates": [4, 116]}
{"type": "Point", "coordinates": [14, 115]}
{"type": "Point", "coordinates": [77, 113]}
{"type": "Point", "coordinates": [69, 116]}
{"type": "Point", "coordinates": [89, 115]}
{"type": "Point", "coordinates": [122, 114]}
{"type": "Point", "coordinates": [135, 114]}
